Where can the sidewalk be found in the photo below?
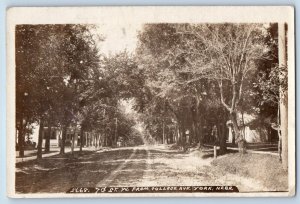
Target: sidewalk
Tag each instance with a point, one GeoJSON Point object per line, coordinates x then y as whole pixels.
{"type": "Point", "coordinates": [254, 151]}
{"type": "Point", "coordinates": [54, 151]}
{"type": "Point", "coordinates": [254, 148]}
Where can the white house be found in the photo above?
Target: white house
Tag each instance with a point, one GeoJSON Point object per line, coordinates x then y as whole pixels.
{"type": "Point", "coordinates": [251, 129]}
{"type": "Point", "coordinates": [55, 136]}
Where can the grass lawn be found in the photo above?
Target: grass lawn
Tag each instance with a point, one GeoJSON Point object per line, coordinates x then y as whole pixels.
{"type": "Point", "coordinates": [265, 169]}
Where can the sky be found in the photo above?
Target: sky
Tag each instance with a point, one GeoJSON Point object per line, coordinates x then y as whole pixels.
{"type": "Point", "coordinates": [118, 37]}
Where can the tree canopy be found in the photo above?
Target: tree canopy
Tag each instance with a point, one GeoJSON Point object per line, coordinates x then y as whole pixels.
{"type": "Point", "coordinates": [187, 82]}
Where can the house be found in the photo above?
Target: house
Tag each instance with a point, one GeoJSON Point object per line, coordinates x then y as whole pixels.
{"type": "Point", "coordinates": [253, 129]}
{"type": "Point", "coordinates": [56, 134]}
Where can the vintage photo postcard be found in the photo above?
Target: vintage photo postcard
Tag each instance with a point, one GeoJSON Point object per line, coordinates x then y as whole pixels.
{"type": "Point", "coordinates": [150, 101]}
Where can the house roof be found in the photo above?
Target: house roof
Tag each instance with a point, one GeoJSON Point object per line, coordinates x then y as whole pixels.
{"type": "Point", "coordinates": [244, 119]}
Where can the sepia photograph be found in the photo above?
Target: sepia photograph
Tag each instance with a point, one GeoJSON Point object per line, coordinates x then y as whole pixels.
{"type": "Point", "coordinates": [151, 104]}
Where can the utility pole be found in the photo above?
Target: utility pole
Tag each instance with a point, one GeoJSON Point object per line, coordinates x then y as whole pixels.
{"type": "Point", "coordinates": [282, 57]}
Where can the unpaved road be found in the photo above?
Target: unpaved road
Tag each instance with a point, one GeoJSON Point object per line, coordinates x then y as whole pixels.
{"type": "Point", "coordinates": [134, 166]}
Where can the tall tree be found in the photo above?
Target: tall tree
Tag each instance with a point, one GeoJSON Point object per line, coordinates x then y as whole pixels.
{"type": "Point", "coordinates": [52, 63]}
{"type": "Point", "coordinates": [231, 51]}
{"type": "Point", "coordinates": [193, 55]}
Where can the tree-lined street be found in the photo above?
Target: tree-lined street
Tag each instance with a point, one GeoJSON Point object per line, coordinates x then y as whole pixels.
{"type": "Point", "coordinates": [193, 104]}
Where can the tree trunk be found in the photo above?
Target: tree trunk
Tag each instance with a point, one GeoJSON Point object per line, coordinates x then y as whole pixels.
{"type": "Point", "coordinates": [63, 140]}
{"type": "Point", "coordinates": [21, 140]}
{"type": "Point", "coordinates": [176, 134]}
{"type": "Point", "coordinates": [180, 135]}
{"type": "Point", "coordinates": [233, 136]}
{"type": "Point", "coordinates": [86, 139]}
{"type": "Point", "coordinates": [47, 138]}
{"type": "Point", "coordinates": [73, 141]}
{"type": "Point", "coordinates": [163, 132]}
{"type": "Point", "coordinates": [223, 131]}
{"type": "Point", "coordinates": [282, 56]}
{"type": "Point", "coordinates": [238, 137]}
{"type": "Point", "coordinates": [222, 137]}
{"type": "Point", "coordinates": [40, 140]}
{"type": "Point", "coordinates": [198, 124]}
{"type": "Point", "coordinates": [99, 140]}
{"type": "Point", "coordinates": [81, 138]}
{"type": "Point", "coordinates": [96, 139]}
{"type": "Point", "coordinates": [236, 128]}
{"type": "Point", "coordinates": [116, 133]}
{"type": "Point", "coordinates": [195, 132]}
{"type": "Point", "coordinates": [183, 137]}
{"type": "Point", "coordinates": [199, 127]}
{"type": "Point", "coordinates": [243, 133]}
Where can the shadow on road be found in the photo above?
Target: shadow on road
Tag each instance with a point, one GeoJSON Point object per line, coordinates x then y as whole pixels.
{"type": "Point", "coordinates": [61, 172]}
